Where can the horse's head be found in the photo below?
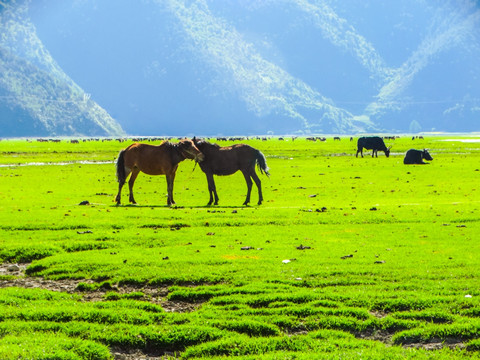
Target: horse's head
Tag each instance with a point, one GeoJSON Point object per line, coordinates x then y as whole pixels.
{"type": "Point", "coordinates": [198, 142]}
{"type": "Point", "coordinates": [189, 150]}
{"type": "Point", "coordinates": [202, 145]}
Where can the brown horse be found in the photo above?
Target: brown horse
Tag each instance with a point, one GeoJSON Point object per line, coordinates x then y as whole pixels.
{"type": "Point", "coordinates": [153, 160]}
{"type": "Point", "coordinates": [228, 160]}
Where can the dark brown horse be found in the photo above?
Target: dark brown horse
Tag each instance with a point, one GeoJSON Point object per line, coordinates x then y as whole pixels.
{"type": "Point", "coordinates": [153, 160]}
{"type": "Point", "coordinates": [228, 160]}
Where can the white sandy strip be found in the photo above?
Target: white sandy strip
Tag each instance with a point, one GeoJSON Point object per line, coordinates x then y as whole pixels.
{"type": "Point", "coordinates": [83, 162]}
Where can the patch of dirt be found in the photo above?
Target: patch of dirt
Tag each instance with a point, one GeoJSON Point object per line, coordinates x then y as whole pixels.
{"type": "Point", "coordinates": [18, 272]}
{"type": "Point", "coordinates": [433, 344]}
{"type": "Point", "coordinates": [386, 338]}
{"type": "Point", "coordinates": [378, 335]}
{"type": "Point", "coordinates": [438, 344]}
{"type": "Point", "coordinates": [378, 314]}
{"type": "Point", "coordinates": [155, 295]}
{"type": "Point", "coordinates": [123, 354]}
{"type": "Point", "coordinates": [13, 275]}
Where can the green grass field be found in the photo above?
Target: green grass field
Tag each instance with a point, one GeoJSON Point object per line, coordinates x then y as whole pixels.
{"type": "Point", "coordinates": [347, 258]}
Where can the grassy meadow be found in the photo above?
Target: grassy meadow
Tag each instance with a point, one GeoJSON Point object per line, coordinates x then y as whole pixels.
{"type": "Point", "coordinates": [347, 258]}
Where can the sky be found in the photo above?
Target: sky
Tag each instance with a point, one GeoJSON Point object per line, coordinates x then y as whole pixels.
{"type": "Point", "coordinates": [257, 66]}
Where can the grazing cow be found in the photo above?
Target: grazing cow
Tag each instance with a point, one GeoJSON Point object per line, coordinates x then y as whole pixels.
{"type": "Point", "coordinates": [373, 143]}
{"type": "Point", "coordinates": [416, 157]}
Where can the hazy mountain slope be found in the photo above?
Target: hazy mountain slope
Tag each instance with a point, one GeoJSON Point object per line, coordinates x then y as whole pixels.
{"type": "Point", "coordinates": [263, 86]}
{"type": "Point", "coordinates": [437, 84]}
{"type": "Point", "coordinates": [256, 66]}
{"type": "Point", "coordinates": [36, 97]}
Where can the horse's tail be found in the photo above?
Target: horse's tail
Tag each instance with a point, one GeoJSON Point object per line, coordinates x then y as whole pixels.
{"type": "Point", "coordinates": [262, 163]}
{"type": "Point", "coordinates": [121, 167]}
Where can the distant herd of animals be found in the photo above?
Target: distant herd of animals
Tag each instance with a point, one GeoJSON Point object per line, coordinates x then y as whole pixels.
{"type": "Point", "coordinates": [213, 159]}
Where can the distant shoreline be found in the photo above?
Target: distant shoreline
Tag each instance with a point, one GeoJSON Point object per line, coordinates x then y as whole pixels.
{"type": "Point", "coordinates": [172, 137]}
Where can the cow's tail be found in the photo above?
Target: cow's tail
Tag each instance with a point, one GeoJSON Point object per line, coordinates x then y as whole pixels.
{"type": "Point", "coordinates": [262, 163]}
{"type": "Point", "coordinates": [120, 163]}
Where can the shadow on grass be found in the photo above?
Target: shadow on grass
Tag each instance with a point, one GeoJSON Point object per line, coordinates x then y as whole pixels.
{"type": "Point", "coordinates": [176, 207]}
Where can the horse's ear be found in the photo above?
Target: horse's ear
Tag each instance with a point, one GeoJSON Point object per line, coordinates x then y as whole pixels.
{"type": "Point", "coordinates": [194, 139]}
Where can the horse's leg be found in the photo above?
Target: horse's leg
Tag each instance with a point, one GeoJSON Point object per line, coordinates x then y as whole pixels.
{"type": "Point", "coordinates": [212, 190]}
{"type": "Point", "coordinates": [170, 180]}
{"type": "Point", "coordinates": [134, 175]}
{"type": "Point", "coordinates": [249, 186]}
{"type": "Point", "coordinates": [259, 186]}
{"type": "Point", "coordinates": [118, 197]}
{"type": "Point", "coordinates": [121, 182]}
{"type": "Point", "coordinates": [215, 192]}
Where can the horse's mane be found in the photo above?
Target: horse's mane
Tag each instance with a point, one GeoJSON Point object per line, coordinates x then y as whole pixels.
{"type": "Point", "coordinates": [170, 144]}
{"type": "Point", "coordinates": [201, 142]}
{"type": "Point", "coordinates": [173, 145]}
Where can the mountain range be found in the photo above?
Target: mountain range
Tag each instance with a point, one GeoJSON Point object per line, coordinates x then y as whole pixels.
{"type": "Point", "coordinates": [37, 98]}
{"type": "Point", "coordinates": [225, 67]}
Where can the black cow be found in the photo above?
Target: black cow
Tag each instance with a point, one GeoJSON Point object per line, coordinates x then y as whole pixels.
{"type": "Point", "coordinates": [416, 157]}
{"type": "Point", "coordinates": [373, 143]}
